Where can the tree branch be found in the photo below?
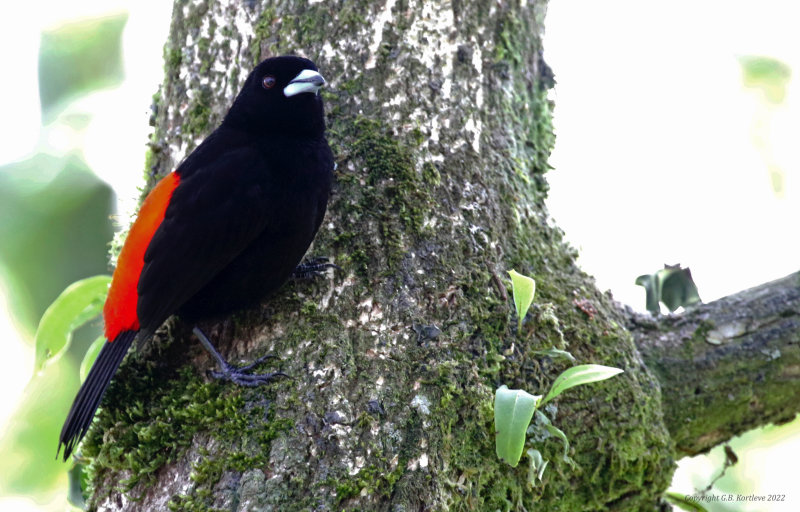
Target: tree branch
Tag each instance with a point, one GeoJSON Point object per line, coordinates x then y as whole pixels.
{"type": "Point", "coordinates": [728, 366]}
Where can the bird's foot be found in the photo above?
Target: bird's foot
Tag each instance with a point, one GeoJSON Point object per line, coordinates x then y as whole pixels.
{"type": "Point", "coordinates": [312, 268]}
{"type": "Point", "coordinates": [241, 375]}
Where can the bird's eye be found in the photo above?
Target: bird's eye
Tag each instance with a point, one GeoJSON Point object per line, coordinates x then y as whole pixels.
{"type": "Point", "coordinates": [268, 82]}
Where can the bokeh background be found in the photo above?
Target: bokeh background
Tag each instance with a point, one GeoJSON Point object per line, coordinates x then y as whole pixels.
{"type": "Point", "coordinates": [678, 128]}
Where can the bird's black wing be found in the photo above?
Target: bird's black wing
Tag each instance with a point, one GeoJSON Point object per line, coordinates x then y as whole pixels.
{"type": "Point", "coordinates": [218, 208]}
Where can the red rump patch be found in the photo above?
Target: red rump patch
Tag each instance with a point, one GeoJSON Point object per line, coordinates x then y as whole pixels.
{"type": "Point", "coordinates": [119, 311]}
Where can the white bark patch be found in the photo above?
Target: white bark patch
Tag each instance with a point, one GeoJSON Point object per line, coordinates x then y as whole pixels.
{"type": "Point", "coordinates": [422, 404]}
{"type": "Point", "coordinates": [355, 468]}
{"type": "Point", "coordinates": [474, 128]}
{"type": "Point", "coordinates": [377, 34]}
{"type": "Point", "coordinates": [726, 332]}
{"type": "Point", "coordinates": [372, 313]}
{"type": "Point", "coordinates": [420, 462]}
{"type": "Point", "coordinates": [111, 504]}
{"type": "Point", "coordinates": [429, 35]}
{"type": "Point", "coordinates": [477, 63]}
{"type": "Point", "coordinates": [325, 374]}
{"type": "Point", "coordinates": [328, 51]}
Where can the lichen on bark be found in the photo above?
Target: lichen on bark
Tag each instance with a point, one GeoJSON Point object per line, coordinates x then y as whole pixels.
{"type": "Point", "coordinates": [440, 120]}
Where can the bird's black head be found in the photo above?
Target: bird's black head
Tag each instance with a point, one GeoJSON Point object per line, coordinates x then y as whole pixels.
{"type": "Point", "coordinates": [280, 97]}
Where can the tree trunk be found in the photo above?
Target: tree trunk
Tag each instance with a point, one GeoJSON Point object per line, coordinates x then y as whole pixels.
{"type": "Point", "coordinates": [439, 119]}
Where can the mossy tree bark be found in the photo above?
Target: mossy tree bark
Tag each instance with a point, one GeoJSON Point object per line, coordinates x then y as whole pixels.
{"type": "Point", "coordinates": [439, 118]}
{"type": "Point", "coordinates": [728, 366]}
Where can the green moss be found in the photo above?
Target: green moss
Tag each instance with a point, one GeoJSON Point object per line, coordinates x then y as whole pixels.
{"type": "Point", "coordinates": [298, 32]}
{"type": "Point", "coordinates": [370, 480]}
{"type": "Point", "coordinates": [198, 117]}
{"type": "Point", "coordinates": [203, 46]}
{"type": "Point", "coordinates": [159, 418]}
{"type": "Point", "coordinates": [150, 419]}
{"type": "Point", "coordinates": [208, 471]}
{"type": "Point", "coordinates": [172, 58]}
{"type": "Point", "coordinates": [430, 175]}
{"type": "Point", "coordinates": [309, 308]}
{"type": "Point", "coordinates": [262, 31]}
{"type": "Point", "coordinates": [394, 192]}
{"type": "Point", "coordinates": [508, 38]}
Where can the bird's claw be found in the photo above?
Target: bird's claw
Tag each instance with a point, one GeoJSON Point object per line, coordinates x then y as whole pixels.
{"type": "Point", "coordinates": [252, 365]}
{"type": "Point", "coordinates": [243, 377]}
{"type": "Point", "coordinates": [313, 268]}
{"type": "Point", "coordinates": [237, 374]}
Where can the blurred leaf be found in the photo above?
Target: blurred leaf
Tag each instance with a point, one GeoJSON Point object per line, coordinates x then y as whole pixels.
{"type": "Point", "coordinates": [76, 305]}
{"type": "Point", "coordinates": [513, 410]}
{"type": "Point", "coordinates": [683, 502]}
{"type": "Point", "coordinates": [769, 75]}
{"type": "Point", "coordinates": [671, 285]}
{"type": "Point", "coordinates": [55, 226]}
{"type": "Point", "coordinates": [77, 483]}
{"type": "Point", "coordinates": [678, 288]}
{"type": "Point", "coordinates": [652, 291]}
{"type": "Point", "coordinates": [578, 375]}
{"type": "Point", "coordinates": [524, 288]}
{"type": "Point", "coordinates": [78, 57]}
{"type": "Point", "coordinates": [29, 465]}
{"type": "Point", "coordinates": [91, 355]}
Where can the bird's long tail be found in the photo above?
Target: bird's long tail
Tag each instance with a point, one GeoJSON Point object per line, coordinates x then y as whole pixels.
{"type": "Point", "coordinates": [88, 398]}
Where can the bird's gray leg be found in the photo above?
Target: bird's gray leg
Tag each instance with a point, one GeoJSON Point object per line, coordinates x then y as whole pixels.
{"type": "Point", "coordinates": [313, 268]}
{"type": "Point", "coordinates": [236, 374]}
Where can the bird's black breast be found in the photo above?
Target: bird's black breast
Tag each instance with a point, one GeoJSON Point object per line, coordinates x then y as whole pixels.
{"type": "Point", "coordinates": [294, 185]}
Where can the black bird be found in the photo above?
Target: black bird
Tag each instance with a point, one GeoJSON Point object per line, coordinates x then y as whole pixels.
{"type": "Point", "coordinates": [225, 229]}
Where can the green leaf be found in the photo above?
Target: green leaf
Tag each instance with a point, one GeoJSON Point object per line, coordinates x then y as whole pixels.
{"type": "Point", "coordinates": [652, 291]}
{"type": "Point", "coordinates": [76, 58]}
{"type": "Point", "coordinates": [76, 305]}
{"type": "Point", "coordinates": [678, 288]}
{"type": "Point", "coordinates": [513, 410]}
{"type": "Point", "coordinates": [683, 502]}
{"type": "Point", "coordinates": [577, 375]}
{"type": "Point", "coordinates": [671, 285]}
{"type": "Point", "coordinates": [524, 288]}
{"type": "Point", "coordinates": [77, 482]}
{"type": "Point", "coordinates": [91, 355]}
{"type": "Point", "coordinates": [537, 466]}
{"type": "Point", "coordinates": [766, 74]}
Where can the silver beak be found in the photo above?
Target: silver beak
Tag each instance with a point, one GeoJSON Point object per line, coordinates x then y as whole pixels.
{"type": "Point", "coordinates": [306, 81]}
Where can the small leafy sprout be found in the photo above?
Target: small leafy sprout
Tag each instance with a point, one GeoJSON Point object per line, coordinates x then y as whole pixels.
{"type": "Point", "coordinates": [577, 375]}
{"type": "Point", "coordinates": [513, 410]}
{"type": "Point", "coordinates": [523, 288]}
{"type": "Point", "coordinates": [78, 303]}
